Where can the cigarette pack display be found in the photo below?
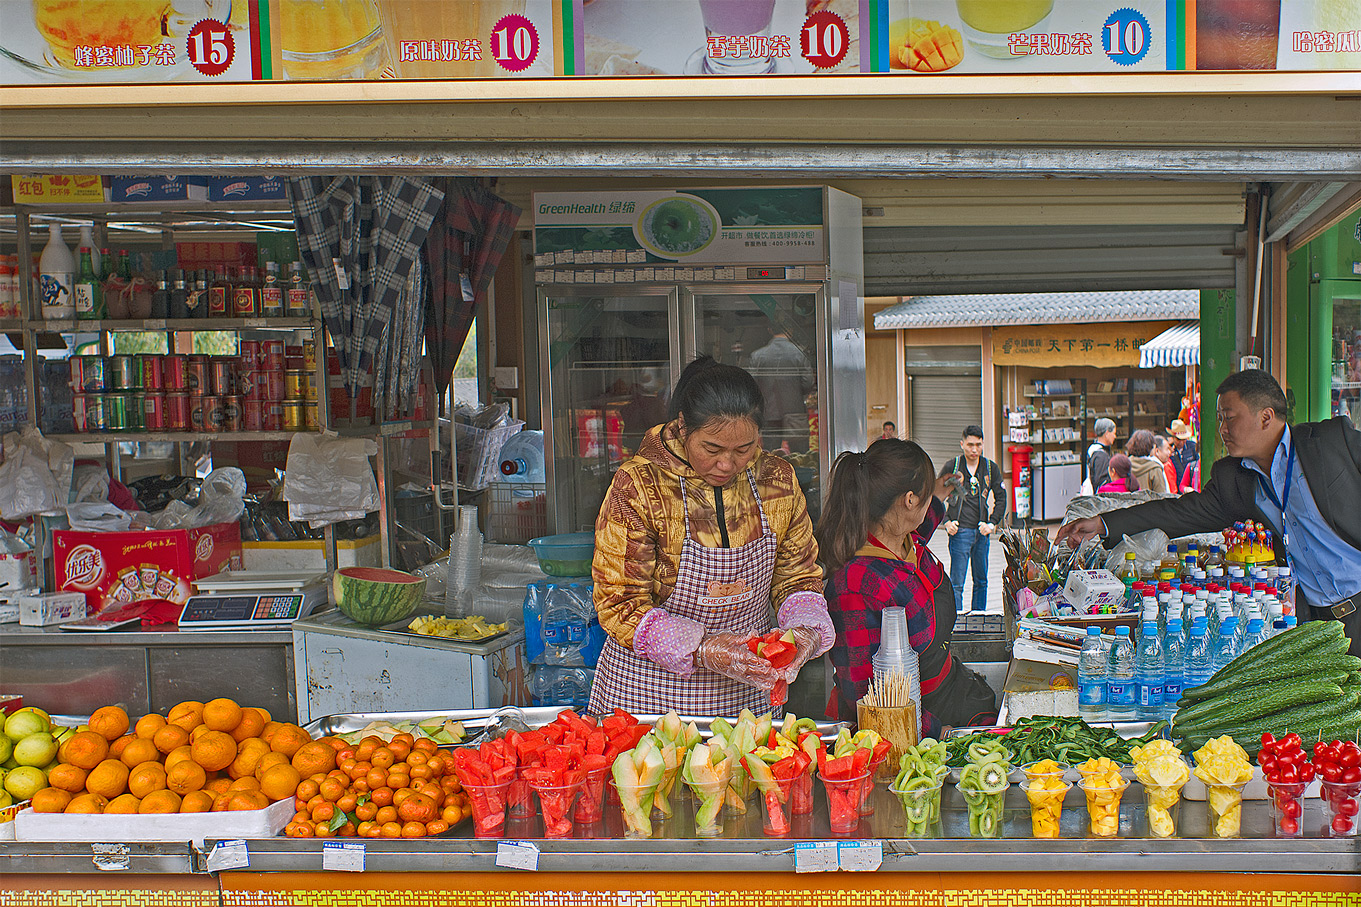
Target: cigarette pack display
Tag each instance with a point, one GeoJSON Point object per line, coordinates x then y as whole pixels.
{"type": "Point", "coordinates": [41, 609]}
{"type": "Point", "coordinates": [1091, 590]}
{"type": "Point", "coordinates": [157, 188]}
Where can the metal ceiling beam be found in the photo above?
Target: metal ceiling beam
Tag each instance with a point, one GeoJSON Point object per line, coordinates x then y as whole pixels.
{"type": "Point", "coordinates": [1293, 204]}
{"type": "Point", "coordinates": [803, 162]}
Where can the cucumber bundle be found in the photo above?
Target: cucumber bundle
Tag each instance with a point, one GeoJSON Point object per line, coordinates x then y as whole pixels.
{"type": "Point", "coordinates": [1301, 680]}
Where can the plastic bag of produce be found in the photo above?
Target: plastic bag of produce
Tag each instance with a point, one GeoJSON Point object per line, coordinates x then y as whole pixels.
{"type": "Point", "coordinates": [220, 500]}
{"type": "Point", "coordinates": [98, 516]}
{"type": "Point", "coordinates": [1148, 547]}
{"type": "Point", "coordinates": [329, 478]}
{"type": "Point", "coordinates": [35, 475]}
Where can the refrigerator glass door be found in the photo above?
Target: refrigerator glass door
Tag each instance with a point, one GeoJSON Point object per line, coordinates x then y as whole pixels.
{"type": "Point", "coordinates": [1342, 298]}
{"type": "Point", "coordinates": [608, 364]}
{"type": "Point", "coordinates": [772, 333]}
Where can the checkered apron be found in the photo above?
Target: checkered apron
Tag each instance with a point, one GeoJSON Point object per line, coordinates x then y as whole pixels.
{"type": "Point", "coordinates": [623, 679]}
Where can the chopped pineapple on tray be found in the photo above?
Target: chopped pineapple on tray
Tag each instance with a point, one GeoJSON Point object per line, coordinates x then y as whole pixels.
{"type": "Point", "coordinates": [464, 628]}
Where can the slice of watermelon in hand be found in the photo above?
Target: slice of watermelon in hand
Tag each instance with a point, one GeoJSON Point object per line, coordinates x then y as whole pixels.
{"type": "Point", "coordinates": [779, 694]}
{"type": "Point", "coordinates": [780, 649]}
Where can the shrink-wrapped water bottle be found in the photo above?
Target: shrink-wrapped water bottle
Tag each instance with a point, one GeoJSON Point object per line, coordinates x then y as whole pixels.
{"type": "Point", "coordinates": [1091, 677]}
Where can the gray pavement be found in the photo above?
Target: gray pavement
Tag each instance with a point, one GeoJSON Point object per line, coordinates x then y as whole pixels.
{"type": "Point", "coordinates": [997, 562]}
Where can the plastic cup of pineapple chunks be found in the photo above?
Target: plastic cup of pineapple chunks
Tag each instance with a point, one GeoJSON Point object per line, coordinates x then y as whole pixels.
{"type": "Point", "coordinates": [1103, 805]}
{"type": "Point", "coordinates": [1162, 805]}
{"type": "Point", "coordinates": [1225, 803]}
{"type": "Point", "coordinates": [1046, 804]}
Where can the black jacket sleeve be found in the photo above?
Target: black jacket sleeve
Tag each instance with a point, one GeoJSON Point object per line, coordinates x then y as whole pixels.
{"type": "Point", "coordinates": [999, 493]}
{"type": "Point", "coordinates": [1220, 504]}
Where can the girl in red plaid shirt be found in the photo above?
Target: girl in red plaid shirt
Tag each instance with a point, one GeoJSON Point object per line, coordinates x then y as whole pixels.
{"type": "Point", "coordinates": [881, 509]}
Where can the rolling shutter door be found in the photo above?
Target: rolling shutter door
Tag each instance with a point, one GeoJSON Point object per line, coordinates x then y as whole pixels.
{"type": "Point", "coordinates": [941, 405]}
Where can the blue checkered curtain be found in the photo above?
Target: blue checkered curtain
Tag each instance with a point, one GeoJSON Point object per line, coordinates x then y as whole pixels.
{"type": "Point", "coordinates": [360, 237]}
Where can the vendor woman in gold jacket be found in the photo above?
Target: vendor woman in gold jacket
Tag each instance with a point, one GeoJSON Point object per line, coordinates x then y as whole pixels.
{"type": "Point", "coordinates": [704, 541]}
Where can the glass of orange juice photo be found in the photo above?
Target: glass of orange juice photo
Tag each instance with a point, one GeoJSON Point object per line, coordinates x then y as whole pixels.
{"type": "Point", "coordinates": [61, 28]}
{"type": "Point", "coordinates": [989, 23]}
{"type": "Point", "coordinates": [329, 40]}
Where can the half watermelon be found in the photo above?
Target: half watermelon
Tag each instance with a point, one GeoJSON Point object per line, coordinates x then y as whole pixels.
{"type": "Point", "coordinates": [374, 596]}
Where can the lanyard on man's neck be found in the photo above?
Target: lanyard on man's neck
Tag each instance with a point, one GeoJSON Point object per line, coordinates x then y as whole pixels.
{"type": "Point", "coordinates": [1284, 500]}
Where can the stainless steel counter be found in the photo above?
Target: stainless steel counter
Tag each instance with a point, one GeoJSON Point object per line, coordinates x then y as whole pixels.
{"type": "Point", "coordinates": [744, 849]}
{"type": "Point", "coordinates": [147, 670]}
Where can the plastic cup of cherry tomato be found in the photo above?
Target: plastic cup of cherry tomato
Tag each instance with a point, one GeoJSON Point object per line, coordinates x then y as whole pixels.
{"type": "Point", "coordinates": [1341, 803]}
{"type": "Point", "coordinates": [1287, 807]}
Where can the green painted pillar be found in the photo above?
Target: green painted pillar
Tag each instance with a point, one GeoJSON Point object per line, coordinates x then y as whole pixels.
{"type": "Point", "coordinates": [1298, 360]}
{"type": "Point", "coordinates": [1218, 360]}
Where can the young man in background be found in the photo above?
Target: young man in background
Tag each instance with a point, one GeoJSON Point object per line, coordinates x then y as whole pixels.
{"type": "Point", "coordinates": [968, 519]}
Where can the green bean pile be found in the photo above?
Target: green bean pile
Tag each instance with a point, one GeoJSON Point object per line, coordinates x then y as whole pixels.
{"type": "Point", "coordinates": [1070, 740]}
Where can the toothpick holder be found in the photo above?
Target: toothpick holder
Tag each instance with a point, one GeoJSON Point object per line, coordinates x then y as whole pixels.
{"type": "Point", "coordinates": [897, 725]}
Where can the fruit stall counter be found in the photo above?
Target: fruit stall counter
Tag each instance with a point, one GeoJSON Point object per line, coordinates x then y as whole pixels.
{"type": "Point", "coordinates": [148, 670]}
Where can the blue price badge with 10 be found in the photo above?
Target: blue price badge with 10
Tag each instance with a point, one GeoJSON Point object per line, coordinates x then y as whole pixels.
{"type": "Point", "coordinates": [1126, 36]}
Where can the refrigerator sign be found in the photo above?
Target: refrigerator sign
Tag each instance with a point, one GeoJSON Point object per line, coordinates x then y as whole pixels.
{"type": "Point", "coordinates": [699, 226]}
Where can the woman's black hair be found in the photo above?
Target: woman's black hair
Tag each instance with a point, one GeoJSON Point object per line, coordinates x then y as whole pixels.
{"type": "Point", "coordinates": [864, 486]}
{"type": "Point", "coordinates": [709, 390]}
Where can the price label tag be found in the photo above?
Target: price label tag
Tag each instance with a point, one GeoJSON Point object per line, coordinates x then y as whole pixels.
{"type": "Point", "coordinates": [342, 856]}
{"type": "Point", "coordinates": [228, 855]}
{"type": "Point", "coordinates": [517, 855]}
{"type": "Point", "coordinates": [342, 276]}
{"type": "Point", "coordinates": [110, 857]}
{"type": "Point", "coordinates": [860, 856]}
{"type": "Point", "coordinates": [514, 42]}
{"type": "Point", "coordinates": [816, 856]}
{"type": "Point", "coordinates": [155, 324]}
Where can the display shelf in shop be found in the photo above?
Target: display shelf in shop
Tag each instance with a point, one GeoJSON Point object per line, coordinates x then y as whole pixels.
{"type": "Point", "coordinates": [386, 429]}
{"type": "Point", "coordinates": [170, 324]}
{"type": "Point", "coordinates": [185, 436]}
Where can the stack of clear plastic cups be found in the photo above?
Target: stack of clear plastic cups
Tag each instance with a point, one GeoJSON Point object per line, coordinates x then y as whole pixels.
{"type": "Point", "coordinates": [465, 564]}
{"type": "Point", "coordinates": [896, 655]}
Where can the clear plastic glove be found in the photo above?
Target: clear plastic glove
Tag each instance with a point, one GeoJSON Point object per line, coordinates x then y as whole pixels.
{"type": "Point", "coordinates": [809, 641]}
{"type": "Point", "coordinates": [727, 654]}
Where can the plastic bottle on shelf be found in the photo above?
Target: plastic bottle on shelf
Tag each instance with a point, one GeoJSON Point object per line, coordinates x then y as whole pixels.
{"type": "Point", "coordinates": [1091, 677]}
{"type": "Point", "coordinates": [521, 457]}
{"type": "Point", "coordinates": [1285, 582]}
{"type": "Point", "coordinates": [87, 291]}
{"type": "Point", "coordinates": [1213, 558]}
{"type": "Point", "coordinates": [1129, 575]}
{"type": "Point", "coordinates": [1170, 565]}
{"type": "Point", "coordinates": [1226, 643]}
{"type": "Point", "coordinates": [1148, 673]}
{"type": "Point", "coordinates": [1174, 666]}
{"type": "Point", "coordinates": [57, 277]}
{"type": "Point", "coordinates": [1256, 633]}
{"type": "Point", "coordinates": [561, 685]}
{"type": "Point", "coordinates": [1120, 677]}
{"type": "Point", "coordinates": [895, 654]}
{"type": "Point", "coordinates": [1199, 658]}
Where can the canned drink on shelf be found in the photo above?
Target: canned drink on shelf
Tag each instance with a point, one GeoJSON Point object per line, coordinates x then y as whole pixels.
{"type": "Point", "coordinates": [220, 376]}
{"type": "Point", "coordinates": [273, 383]}
{"type": "Point", "coordinates": [175, 373]}
{"type": "Point", "coordinates": [293, 363]}
{"type": "Point", "coordinates": [198, 412]}
{"type": "Point", "coordinates": [231, 413]}
{"type": "Point", "coordinates": [250, 354]}
{"type": "Point", "coordinates": [248, 383]}
{"type": "Point", "coordinates": [80, 413]}
{"type": "Point", "coordinates": [296, 385]}
{"type": "Point", "coordinates": [115, 412]}
{"type": "Point", "coordinates": [272, 413]}
{"type": "Point", "coordinates": [153, 411]}
{"type": "Point", "coordinates": [136, 406]}
{"type": "Point", "coordinates": [214, 413]}
{"type": "Point", "coordinates": [309, 355]}
{"type": "Point", "coordinates": [311, 419]}
{"type": "Point", "coordinates": [119, 373]}
{"type": "Point", "coordinates": [196, 377]}
{"type": "Point", "coordinates": [293, 415]}
{"type": "Point", "coordinates": [272, 354]}
{"type": "Point", "coordinates": [77, 366]}
{"type": "Point", "coordinates": [253, 415]}
{"type": "Point", "coordinates": [153, 372]}
{"type": "Point", "coordinates": [293, 351]}
{"type": "Point", "coordinates": [94, 413]}
{"type": "Point", "coordinates": [177, 412]}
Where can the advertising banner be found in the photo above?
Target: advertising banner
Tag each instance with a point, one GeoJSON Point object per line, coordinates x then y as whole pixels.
{"type": "Point", "coordinates": [65, 42]}
{"type": "Point", "coordinates": [697, 227]}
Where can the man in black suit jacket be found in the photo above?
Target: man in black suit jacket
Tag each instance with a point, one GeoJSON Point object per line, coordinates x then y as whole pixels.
{"type": "Point", "coordinates": [1303, 481]}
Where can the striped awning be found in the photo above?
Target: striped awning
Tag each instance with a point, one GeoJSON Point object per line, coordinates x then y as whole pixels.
{"type": "Point", "coordinates": [1178, 345]}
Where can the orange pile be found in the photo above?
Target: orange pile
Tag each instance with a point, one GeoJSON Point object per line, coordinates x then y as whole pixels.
{"type": "Point", "coordinates": [401, 789]}
{"type": "Point", "coordinates": [200, 757]}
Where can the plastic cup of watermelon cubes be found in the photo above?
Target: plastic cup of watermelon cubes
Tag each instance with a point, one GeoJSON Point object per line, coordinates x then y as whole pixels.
{"type": "Point", "coordinates": [843, 802]}
{"type": "Point", "coordinates": [556, 803]}
{"type": "Point", "coordinates": [488, 802]}
{"type": "Point", "coordinates": [1341, 805]}
{"type": "Point", "coordinates": [520, 798]}
{"type": "Point", "coordinates": [777, 809]}
{"type": "Point", "coordinates": [801, 794]}
{"type": "Point", "coordinates": [866, 802]}
{"type": "Point", "coordinates": [591, 803]}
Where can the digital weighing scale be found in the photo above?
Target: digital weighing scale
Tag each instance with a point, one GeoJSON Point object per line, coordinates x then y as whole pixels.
{"type": "Point", "coordinates": [252, 600]}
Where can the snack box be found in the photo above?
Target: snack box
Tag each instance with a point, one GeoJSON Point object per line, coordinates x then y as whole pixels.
{"type": "Point", "coordinates": [42, 609]}
{"type": "Point", "coordinates": [113, 569]}
{"type": "Point", "coordinates": [1090, 590]}
{"type": "Point", "coordinates": [7, 815]}
{"type": "Point", "coordinates": [247, 188]}
{"type": "Point", "coordinates": [195, 827]}
{"type": "Point", "coordinates": [158, 188]}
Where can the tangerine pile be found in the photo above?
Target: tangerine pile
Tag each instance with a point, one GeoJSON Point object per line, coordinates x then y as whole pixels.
{"type": "Point", "coordinates": [200, 757]}
{"type": "Point", "coordinates": [404, 788]}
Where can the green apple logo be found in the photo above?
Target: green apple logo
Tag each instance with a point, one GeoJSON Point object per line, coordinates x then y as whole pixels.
{"type": "Point", "coordinates": [677, 226]}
